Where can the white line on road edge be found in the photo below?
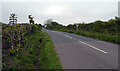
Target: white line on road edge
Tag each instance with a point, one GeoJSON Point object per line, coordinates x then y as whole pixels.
{"type": "Point", "coordinates": [68, 36]}
{"type": "Point", "coordinates": [93, 47]}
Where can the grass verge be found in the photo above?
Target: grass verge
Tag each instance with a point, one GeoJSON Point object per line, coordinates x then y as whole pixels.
{"type": "Point", "coordinates": [99, 36]}
{"type": "Point", "coordinates": [48, 57]}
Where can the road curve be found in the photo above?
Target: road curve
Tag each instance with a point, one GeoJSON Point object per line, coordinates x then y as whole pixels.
{"type": "Point", "coordinates": [79, 52]}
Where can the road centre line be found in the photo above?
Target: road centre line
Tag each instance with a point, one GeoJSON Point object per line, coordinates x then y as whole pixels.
{"type": "Point", "coordinates": [56, 32]}
{"type": "Point", "coordinates": [90, 45]}
{"type": "Point", "coordinates": [86, 44]}
{"type": "Point", "coordinates": [68, 36]}
{"type": "Point", "coordinates": [93, 47]}
{"type": "Point", "coordinates": [53, 31]}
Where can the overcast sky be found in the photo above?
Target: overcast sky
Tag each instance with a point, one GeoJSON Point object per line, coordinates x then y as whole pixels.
{"type": "Point", "coordinates": [63, 11]}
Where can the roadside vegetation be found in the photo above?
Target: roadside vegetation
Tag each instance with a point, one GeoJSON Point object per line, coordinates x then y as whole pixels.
{"type": "Point", "coordinates": [48, 57]}
{"type": "Point", "coordinates": [27, 46]}
{"type": "Point", "coordinates": [0, 30]}
{"type": "Point", "coordinates": [0, 45]}
{"type": "Point", "coordinates": [101, 30]}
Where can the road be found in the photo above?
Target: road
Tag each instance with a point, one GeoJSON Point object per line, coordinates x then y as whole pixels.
{"type": "Point", "coordinates": [79, 52]}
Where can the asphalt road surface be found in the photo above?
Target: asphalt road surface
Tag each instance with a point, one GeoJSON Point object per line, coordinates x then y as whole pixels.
{"type": "Point", "coordinates": [78, 52]}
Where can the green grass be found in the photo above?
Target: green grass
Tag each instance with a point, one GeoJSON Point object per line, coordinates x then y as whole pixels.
{"type": "Point", "coordinates": [48, 58]}
{"type": "Point", "coordinates": [26, 58]}
{"type": "Point", "coordinates": [98, 36]}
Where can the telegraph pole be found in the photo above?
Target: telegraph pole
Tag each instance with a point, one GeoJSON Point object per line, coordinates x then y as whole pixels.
{"type": "Point", "coordinates": [13, 18]}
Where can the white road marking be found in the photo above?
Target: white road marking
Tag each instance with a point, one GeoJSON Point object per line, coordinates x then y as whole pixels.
{"type": "Point", "coordinates": [56, 32]}
{"type": "Point", "coordinates": [93, 47]}
{"type": "Point", "coordinates": [84, 43]}
{"type": "Point", "coordinates": [53, 31]}
{"type": "Point", "coordinates": [59, 33]}
{"type": "Point", "coordinates": [68, 36]}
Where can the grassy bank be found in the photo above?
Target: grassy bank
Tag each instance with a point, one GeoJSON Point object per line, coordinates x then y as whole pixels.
{"type": "Point", "coordinates": [26, 57]}
{"type": "Point", "coordinates": [48, 58]}
{"type": "Point", "coordinates": [98, 36]}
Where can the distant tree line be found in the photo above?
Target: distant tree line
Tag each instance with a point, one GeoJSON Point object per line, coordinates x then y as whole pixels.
{"type": "Point", "coordinates": [110, 27]}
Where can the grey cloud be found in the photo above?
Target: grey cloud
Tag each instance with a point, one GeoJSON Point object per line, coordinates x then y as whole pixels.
{"type": "Point", "coordinates": [76, 12]}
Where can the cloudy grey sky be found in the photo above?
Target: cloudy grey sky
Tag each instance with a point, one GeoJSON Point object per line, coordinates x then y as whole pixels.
{"type": "Point", "coordinates": [63, 11]}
